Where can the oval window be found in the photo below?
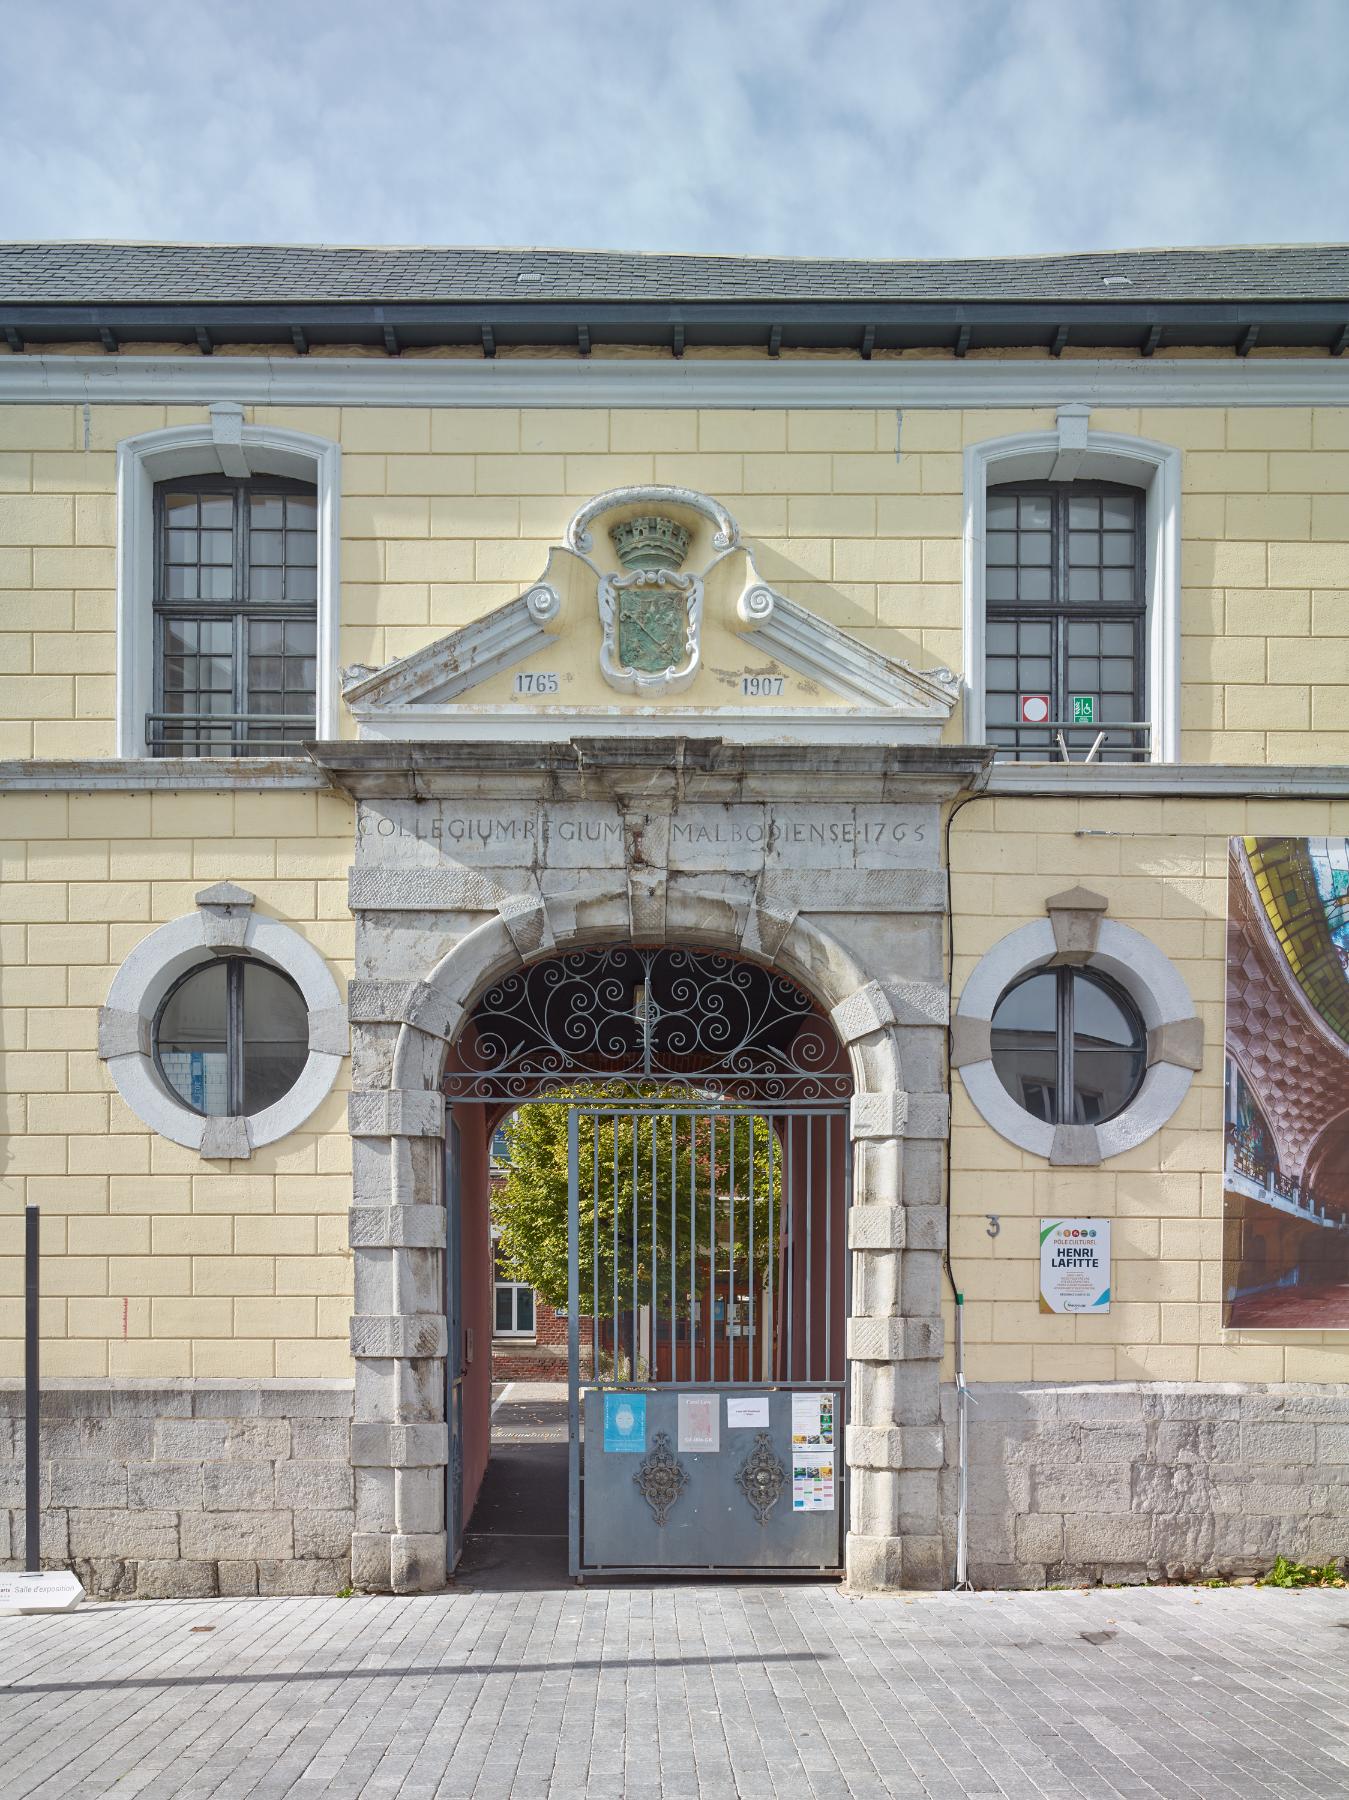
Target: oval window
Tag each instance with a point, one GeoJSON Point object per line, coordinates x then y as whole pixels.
{"type": "Point", "coordinates": [1069, 1046]}
{"type": "Point", "coordinates": [232, 1037]}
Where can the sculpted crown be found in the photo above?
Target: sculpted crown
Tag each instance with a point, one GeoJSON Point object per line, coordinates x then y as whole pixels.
{"type": "Point", "coordinates": [650, 542]}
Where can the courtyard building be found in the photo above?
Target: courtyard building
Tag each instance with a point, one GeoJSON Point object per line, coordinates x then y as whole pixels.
{"type": "Point", "coordinates": [866, 743]}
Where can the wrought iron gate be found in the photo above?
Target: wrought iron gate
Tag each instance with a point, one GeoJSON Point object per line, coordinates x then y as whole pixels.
{"type": "Point", "coordinates": [708, 1298]}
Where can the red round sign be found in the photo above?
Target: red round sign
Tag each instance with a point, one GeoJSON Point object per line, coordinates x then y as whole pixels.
{"type": "Point", "coordinates": [1034, 709]}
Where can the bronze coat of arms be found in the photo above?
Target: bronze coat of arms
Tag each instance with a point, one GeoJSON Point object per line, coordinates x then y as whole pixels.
{"type": "Point", "coordinates": [651, 615]}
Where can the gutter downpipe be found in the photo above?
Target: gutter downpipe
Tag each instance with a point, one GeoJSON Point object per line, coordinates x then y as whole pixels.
{"type": "Point", "coordinates": [961, 1583]}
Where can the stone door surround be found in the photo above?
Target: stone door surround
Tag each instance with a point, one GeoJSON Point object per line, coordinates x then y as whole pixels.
{"type": "Point", "coordinates": [472, 860]}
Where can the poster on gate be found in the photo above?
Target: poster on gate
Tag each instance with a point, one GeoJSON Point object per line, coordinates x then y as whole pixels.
{"type": "Point", "coordinates": [625, 1423]}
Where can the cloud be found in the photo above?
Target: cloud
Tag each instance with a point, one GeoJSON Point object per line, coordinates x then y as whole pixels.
{"type": "Point", "coordinates": [914, 128]}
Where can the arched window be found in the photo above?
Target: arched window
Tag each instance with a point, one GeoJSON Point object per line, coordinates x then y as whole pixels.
{"type": "Point", "coordinates": [227, 588]}
{"type": "Point", "coordinates": [236, 616]}
{"type": "Point", "coordinates": [1065, 630]}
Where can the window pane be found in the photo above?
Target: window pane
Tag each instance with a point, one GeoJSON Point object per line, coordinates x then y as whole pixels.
{"type": "Point", "coordinates": [1109, 1051]}
{"type": "Point", "coordinates": [1001, 638]}
{"type": "Point", "coordinates": [1025, 1043]}
{"type": "Point", "coordinates": [1001, 547]}
{"type": "Point", "coordinates": [191, 1041]}
{"type": "Point", "coordinates": [1119, 510]}
{"type": "Point", "coordinates": [1084, 549]}
{"type": "Point", "coordinates": [1001, 511]}
{"type": "Point", "coordinates": [276, 1036]}
{"type": "Point", "coordinates": [268, 512]}
{"type": "Point", "coordinates": [1084, 510]}
{"type": "Point", "coordinates": [1117, 547]}
{"type": "Point", "coordinates": [1035, 584]}
{"type": "Point", "coordinates": [1036, 638]}
{"type": "Point", "coordinates": [217, 511]}
{"type": "Point", "coordinates": [1001, 584]}
{"type": "Point", "coordinates": [524, 1309]}
{"type": "Point", "coordinates": [504, 1318]}
{"type": "Point", "coordinates": [1084, 586]}
{"type": "Point", "coordinates": [1034, 548]}
{"type": "Point", "coordinates": [1035, 512]}
{"type": "Point", "coordinates": [1117, 586]}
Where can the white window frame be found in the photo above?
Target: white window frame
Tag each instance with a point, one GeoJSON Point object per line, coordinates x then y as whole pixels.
{"type": "Point", "coordinates": [515, 1331]}
{"type": "Point", "coordinates": [224, 444]}
{"type": "Point", "coordinates": [1073, 452]}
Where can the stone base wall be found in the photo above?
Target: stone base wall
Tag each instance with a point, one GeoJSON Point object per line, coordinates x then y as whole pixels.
{"type": "Point", "coordinates": [169, 1488]}
{"type": "Point", "coordinates": [1139, 1481]}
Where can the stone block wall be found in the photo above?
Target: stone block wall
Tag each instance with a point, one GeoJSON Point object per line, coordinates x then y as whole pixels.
{"type": "Point", "coordinates": [1139, 1481]}
{"type": "Point", "coordinates": [161, 1489]}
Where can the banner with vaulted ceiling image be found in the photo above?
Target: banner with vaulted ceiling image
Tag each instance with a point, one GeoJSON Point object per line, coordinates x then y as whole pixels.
{"type": "Point", "coordinates": [1286, 1163]}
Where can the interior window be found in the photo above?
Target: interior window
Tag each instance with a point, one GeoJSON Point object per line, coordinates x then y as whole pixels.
{"type": "Point", "coordinates": [1066, 615]}
{"type": "Point", "coordinates": [236, 617]}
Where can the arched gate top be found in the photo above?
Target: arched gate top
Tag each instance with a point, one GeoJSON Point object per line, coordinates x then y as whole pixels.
{"type": "Point", "coordinates": [723, 1026]}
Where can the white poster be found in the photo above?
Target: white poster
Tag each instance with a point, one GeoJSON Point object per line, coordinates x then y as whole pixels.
{"type": "Point", "coordinates": [747, 1412]}
{"type": "Point", "coordinates": [812, 1481]}
{"type": "Point", "coordinates": [699, 1422]}
{"type": "Point", "coordinates": [1074, 1265]}
{"type": "Point", "coordinates": [812, 1421]}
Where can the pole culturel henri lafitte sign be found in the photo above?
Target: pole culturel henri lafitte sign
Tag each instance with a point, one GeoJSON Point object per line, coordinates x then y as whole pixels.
{"type": "Point", "coordinates": [1075, 1265]}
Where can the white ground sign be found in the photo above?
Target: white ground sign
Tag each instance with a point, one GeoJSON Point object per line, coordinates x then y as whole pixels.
{"type": "Point", "coordinates": [54, 1590]}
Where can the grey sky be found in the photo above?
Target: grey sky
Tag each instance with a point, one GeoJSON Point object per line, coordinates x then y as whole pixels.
{"type": "Point", "coordinates": [913, 128]}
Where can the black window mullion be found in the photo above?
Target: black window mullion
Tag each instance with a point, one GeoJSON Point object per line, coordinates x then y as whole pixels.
{"type": "Point", "coordinates": [234, 1035]}
{"type": "Point", "coordinates": [1064, 1047]}
{"type": "Point", "coordinates": [1058, 699]}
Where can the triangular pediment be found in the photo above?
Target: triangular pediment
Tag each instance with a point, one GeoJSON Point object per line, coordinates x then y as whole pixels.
{"type": "Point", "coordinates": [652, 615]}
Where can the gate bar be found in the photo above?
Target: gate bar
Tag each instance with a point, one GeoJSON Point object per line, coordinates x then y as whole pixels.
{"type": "Point", "coordinates": [573, 1347]}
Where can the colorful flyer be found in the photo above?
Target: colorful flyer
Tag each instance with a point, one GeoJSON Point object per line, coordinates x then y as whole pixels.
{"type": "Point", "coordinates": [813, 1421]}
{"type": "Point", "coordinates": [812, 1482]}
{"type": "Point", "coordinates": [747, 1412]}
{"type": "Point", "coordinates": [699, 1422]}
{"type": "Point", "coordinates": [1074, 1265]}
{"type": "Point", "coordinates": [625, 1423]}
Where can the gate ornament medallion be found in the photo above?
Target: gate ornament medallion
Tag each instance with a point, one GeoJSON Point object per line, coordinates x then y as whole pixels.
{"type": "Point", "coordinates": [662, 1478]}
{"type": "Point", "coordinates": [762, 1477]}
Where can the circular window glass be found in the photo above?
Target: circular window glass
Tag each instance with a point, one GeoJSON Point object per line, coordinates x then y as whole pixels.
{"type": "Point", "coordinates": [1069, 1046]}
{"type": "Point", "coordinates": [232, 1037]}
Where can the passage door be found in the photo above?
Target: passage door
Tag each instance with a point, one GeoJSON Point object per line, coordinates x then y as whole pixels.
{"type": "Point", "coordinates": [708, 1304]}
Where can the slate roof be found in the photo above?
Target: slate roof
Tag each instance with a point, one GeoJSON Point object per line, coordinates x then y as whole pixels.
{"type": "Point", "coordinates": [224, 274]}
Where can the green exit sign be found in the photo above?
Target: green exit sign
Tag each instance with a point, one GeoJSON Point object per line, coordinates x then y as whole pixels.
{"type": "Point", "coordinates": [1084, 709]}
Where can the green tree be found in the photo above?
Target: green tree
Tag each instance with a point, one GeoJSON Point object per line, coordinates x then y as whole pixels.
{"type": "Point", "coordinates": [694, 1172]}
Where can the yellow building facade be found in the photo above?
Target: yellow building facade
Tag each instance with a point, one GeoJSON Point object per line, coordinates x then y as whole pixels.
{"type": "Point", "coordinates": [839, 771]}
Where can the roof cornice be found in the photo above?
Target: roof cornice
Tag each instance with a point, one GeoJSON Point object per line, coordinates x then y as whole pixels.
{"type": "Point", "coordinates": [665, 382]}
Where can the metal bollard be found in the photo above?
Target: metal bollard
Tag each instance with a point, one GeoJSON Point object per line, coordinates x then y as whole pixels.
{"type": "Point", "coordinates": [32, 1508]}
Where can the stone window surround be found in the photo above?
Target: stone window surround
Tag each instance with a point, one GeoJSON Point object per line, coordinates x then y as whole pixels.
{"type": "Point", "coordinates": [223, 924]}
{"type": "Point", "coordinates": [398, 1331]}
{"type": "Point", "coordinates": [224, 445]}
{"type": "Point", "coordinates": [1073, 452]}
{"type": "Point", "coordinates": [1077, 934]}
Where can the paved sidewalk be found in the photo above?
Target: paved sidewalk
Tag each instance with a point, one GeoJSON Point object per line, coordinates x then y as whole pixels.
{"type": "Point", "coordinates": [707, 1690]}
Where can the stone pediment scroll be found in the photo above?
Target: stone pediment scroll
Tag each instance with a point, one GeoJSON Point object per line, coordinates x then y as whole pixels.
{"type": "Point", "coordinates": [651, 614]}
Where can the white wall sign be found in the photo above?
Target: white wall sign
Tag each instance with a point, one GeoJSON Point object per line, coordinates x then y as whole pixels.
{"type": "Point", "coordinates": [1075, 1265]}
{"type": "Point", "coordinates": [54, 1590]}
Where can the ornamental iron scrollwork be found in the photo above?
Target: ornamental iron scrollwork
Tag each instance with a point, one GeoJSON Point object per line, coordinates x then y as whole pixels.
{"type": "Point", "coordinates": [762, 1478]}
{"type": "Point", "coordinates": [662, 1478]}
{"type": "Point", "coordinates": [732, 1029]}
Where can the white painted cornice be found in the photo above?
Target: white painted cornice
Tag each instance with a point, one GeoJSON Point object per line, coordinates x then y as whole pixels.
{"type": "Point", "coordinates": [690, 381]}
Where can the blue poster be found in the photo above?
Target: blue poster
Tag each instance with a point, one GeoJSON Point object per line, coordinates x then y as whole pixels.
{"type": "Point", "coordinates": [625, 1422]}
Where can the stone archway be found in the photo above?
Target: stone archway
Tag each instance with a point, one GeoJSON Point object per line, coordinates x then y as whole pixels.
{"type": "Point", "coordinates": [864, 941]}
